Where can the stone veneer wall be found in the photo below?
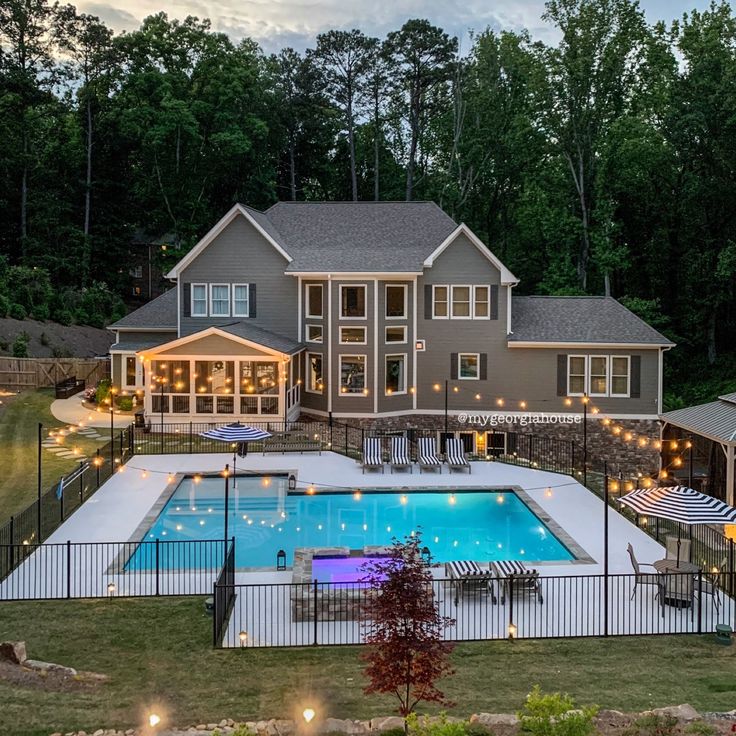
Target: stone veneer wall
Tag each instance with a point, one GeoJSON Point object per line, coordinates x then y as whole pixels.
{"type": "Point", "coordinates": [621, 456]}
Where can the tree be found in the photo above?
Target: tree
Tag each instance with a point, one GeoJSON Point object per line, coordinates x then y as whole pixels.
{"type": "Point", "coordinates": [344, 58]}
{"type": "Point", "coordinates": [422, 58]}
{"type": "Point", "coordinates": [406, 654]}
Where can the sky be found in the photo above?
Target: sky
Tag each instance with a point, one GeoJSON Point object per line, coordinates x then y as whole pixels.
{"type": "Point", "coordinates": [278, 23]}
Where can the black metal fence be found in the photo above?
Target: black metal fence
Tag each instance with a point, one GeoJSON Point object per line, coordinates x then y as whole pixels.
{"type": "Point", "coordinates": [112, 569]}
{"type": "Point", "coordinates": [224, 596]}
{"type": "Point", "coordinates": [309, 614]}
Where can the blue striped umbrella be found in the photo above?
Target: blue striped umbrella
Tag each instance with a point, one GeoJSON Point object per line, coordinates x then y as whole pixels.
{"type": "Point", "coordinates": [236, 432]}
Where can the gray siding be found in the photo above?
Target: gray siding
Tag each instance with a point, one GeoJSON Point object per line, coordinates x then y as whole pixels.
{"type": "Point", "coordinates": [241, 255]}
{"type": "Point", "coordinates": [396, 402]}
{"type": "Point", "coordinates": [317, 402]}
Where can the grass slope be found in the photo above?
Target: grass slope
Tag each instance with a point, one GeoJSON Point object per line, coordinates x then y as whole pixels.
{"type": "Point", "coordinates": [18, 439]}
{"type": "Point", "coordinates": [159, 651]}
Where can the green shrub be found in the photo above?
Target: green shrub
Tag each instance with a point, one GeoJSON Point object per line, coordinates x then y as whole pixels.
{"type": "Point", "coordinates": [20, 345]}
{"type": "Point", "coordinates": [125, 403]}
{"type": "Point", "coordinates": [61, 352]}
{"type": "Point", "coordinates": [103, 390]}
{"type": "Point", "coordinates": [41, 312]}
{"type": "Point", "coordinates": [4, 305]}
{"type": "Point", "coordinates": [555, 714]}
{"type": "Point", "coordinates": [424, 726]}
{"type": "Point", "coordinates": [4, 344]}
{"type": "Point", "coordinates": [44, 340]}
{"type": "Point", "coordinates": [17, 311]}
{"type": "Point", "coordinates": [652, 725]}
{"type": "Point", "coordinates": [64, 317]}
{"type": "Point", "coordinates": [393, 732]}
{"type": "Point", "coordinates": [701, 728]}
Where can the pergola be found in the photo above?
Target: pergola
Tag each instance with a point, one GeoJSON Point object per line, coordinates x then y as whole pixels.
{"type": "Point", "coordinates": [711, 428]}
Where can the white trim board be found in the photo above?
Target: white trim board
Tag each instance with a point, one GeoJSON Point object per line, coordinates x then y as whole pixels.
{"type": "Point", "coordinates": [589, 345]}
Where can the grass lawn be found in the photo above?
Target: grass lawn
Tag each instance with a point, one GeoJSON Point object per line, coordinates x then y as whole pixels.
{"type": "Point", "coordinates": [19, 420]}
{"type": "Point", "coordinates": [159, 651]}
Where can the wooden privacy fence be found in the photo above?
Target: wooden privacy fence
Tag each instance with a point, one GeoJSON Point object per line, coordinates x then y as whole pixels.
{"type": "Point", "coordinates": [23, 373]}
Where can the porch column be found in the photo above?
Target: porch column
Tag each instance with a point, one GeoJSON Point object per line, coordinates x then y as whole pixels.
{"type": "Point", "coordinates": [730, 490]}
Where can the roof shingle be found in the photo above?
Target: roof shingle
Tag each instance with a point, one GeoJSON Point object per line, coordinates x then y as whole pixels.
{"type": "Point", "coordinates": [158, 313]}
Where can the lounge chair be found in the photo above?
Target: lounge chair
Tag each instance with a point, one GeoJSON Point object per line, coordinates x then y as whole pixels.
{"type": "Point", "coordinates": [427, 455]}
{"type": "Point", "coordinates": [455, 455]}
{"type": "Point", "coordinates": [372, 454]}
{"type": "Point", "coordinates": [643, 578]}
{"type": "Point", "coordinates": [400, 454]}
{"type": "Point", "coordinates": [671, 545]}
{"type": "Point", "coordinates": [467, 575]}
{"type": "Point", "coordinates": [525, 581]}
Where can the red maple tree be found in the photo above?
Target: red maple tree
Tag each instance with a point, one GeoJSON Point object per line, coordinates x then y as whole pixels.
{"type": "Point", "coordinates": [406, 655]}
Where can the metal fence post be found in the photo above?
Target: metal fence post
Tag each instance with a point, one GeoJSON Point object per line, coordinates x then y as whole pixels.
{"type": "Point", "coordinates": [98, 463]}
{"type": "Point", "coordinates": [511, 604]}
{"type": "Point", "coordinates": [81, 482]}
{"type": "Point", "coordinates": [68, 569]}
{"type": "Point", "coordinates": [732, 572]}
{"type": "Point", "coordinates": [61, 503]}
{"type": "Point", "coordinates": [157, 565]}
{"type": "Point", "coordinates": [316, 617]}
{"type": "Point", "coordinates": [215, 614]}
{"type": "Point", "coordinates": [191, 438]}
{"type": "Point", "coordinates": [700, 601]}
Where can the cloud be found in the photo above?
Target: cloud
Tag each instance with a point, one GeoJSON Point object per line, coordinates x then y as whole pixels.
{"type": "Point", "coordinates": [116, 18]}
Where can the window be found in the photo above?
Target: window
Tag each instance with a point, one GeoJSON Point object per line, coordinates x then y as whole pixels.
{"type": "Point", "coordinates": [259, 377]}
{"type": "Point", "coordinates": [175, 374]}
{"type": "Point", "coordinates": [131, 371]}
{"type": "Point", "coordinates": [136, 272]}
{"type": "Point", "coordinates": [575, 375]}
{"type": "Point", "coordinates": [352, 335]}
{"type": "Point", "coordinates": [468, 367]}
{"type": "Point", "coordinates": [598, 382]}
{"type": "Point", "coordinates": [439, 302]}
{"type": "Point", "coordinates": [220, 300]}
{"type": "Point", "coordinates": [314, 333]}
{"type": "Point", "coordinates": [620, 375]}
{"type": "Point", "coordinates": [214, 376]}
{"type": "Point", "coordinates": [314, 300]}
{"type": "Point", "coordinates": [460, 302]}
{"type": "Point", "coordinates": [199, 300]}
{"type": "Point", "coordinates": [352, 301]}
{"type": "Point", "coordinates": [395, 374]}
{"type": "Point", "coordinates": [396, 334]}
{"type": "Point", "coordinates": [352, 374]}
{"type": "Point", "coordinates": [240, 300]}
{"type": "Point", "coordinates": [395, 301]}
{"type": "Point", "coordinates": [481, 302]}
{"type": "Point", "coordinates": [314, 373]}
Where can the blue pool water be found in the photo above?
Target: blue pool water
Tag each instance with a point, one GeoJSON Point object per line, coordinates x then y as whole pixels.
{"type": "Point", "coordinates": [264, 518]}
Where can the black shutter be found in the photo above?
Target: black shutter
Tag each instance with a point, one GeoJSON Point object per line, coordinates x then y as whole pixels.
{"type": "Point", "coordinates": [635, 377]}
{"type": "Point", "coordinates": [453, 366]}
{"type": "Point", "coordinates": [494, 301]}
{"type": "Point", "coordinates": [251, 300]}
{"type": "Point", "coordinates": [428, 301]}
{"type": "Point", "coordinates": [562, 375]}
{"type": "Point", "coordinates": [186, 300]}
{"type": "Point", "coordinates": [484, 366]}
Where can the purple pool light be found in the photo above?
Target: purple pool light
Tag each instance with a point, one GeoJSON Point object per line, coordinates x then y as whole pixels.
{"type": "Point", "coordinates": [339, 569]}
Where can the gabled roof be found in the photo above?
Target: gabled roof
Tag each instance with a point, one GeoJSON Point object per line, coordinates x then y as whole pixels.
{"type": "Point", "coordinates": [159, 313]}
{"type": "Point", "coordinates": [368, 237]}
{"type": "Point", "coordinates": [579, 319]}
{"type": "Point", "coordinates": [715, 420]}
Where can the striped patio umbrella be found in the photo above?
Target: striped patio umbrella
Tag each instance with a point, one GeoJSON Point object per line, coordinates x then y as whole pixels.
{"type": "Point", "coordinates": [238, 433]}
{"type": "Point", "coordinates": [679, 503]}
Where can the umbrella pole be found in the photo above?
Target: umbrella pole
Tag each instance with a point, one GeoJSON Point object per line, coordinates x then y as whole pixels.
{"type": "Point", "coordinates": [227, 501]}
{"type": "Point", "coordinates": [679, 532]}
{"type": "Point", "coordinates": [235, 468]}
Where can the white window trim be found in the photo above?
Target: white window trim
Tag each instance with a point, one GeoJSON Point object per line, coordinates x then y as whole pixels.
{"type": "Point", "coordinates": [469, 287]}
{"type": "Point", "coordinates": [247, 300]}
{"type": "Point", "coordinates": [459, 362]}
{"type": "Point", "coordinates": [353, 327]}
{"type": "Point", "coordinates": [206, 300]}
{"type": "Point", "coordinates": [585, 374]}
{"type": "Point", "coordinates": [321, 301]}
{"type": "Point", "coordinates": [590, 375]}
{"type": "Point", "coordinates": [405, 315]}
{"type": "Point", "coordinates": [308, 376]}
{"type": "Point", "coordinates": [212, 311]}
{"type": "Point", "coordinates": [385, 374]}
{"type": "Point", "coordinates": [434, 301]}
{"type": "Point", "coordinates": [627, 395]}
{"type": "Point", "coordinates": [394, 342]}
{"type": "Point", "coordinates": [312, 340]}
{"type": "Point", "coordinates": [339, 374]}
{"type": "Point", "coordinates": [488, 300]}
{"type": "Point", "coordinates": [365, 302]}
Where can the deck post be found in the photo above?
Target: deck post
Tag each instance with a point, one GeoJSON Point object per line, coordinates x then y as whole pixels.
{"type": "Point", "coordinates": [511, 606]}
{"type": "Point", "coordinates": [316, 617]}
{"type": "Point", "coordinates": [68, 568]}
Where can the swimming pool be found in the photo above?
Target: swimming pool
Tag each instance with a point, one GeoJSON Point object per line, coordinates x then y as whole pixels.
{"type": "Point", "coordinates": [265, 518]}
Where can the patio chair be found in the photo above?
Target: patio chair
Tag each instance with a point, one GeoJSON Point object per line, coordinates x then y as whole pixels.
{"type": "Point", "coordinates": [372, 459]}
{"type": "Point", "coordinates": [467, 575]}
{"type": "Point", "coordinates": [643, 578]}
{"type": "Point", "coordinates": [428, 455]}
{"type": "Point", "coordinates": [525, 581]}
{"type": "Point", "coordinates": [455, 455]}
{"type": "Point", "coordinates": [671, 546]}
{"type": "Point", "coordinates": [710, 583]}
{"type": "Point", "coordinates": [400, 454]}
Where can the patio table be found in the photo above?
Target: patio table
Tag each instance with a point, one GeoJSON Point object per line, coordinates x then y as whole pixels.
{"type": "Point", "coordinates": [678, 588]}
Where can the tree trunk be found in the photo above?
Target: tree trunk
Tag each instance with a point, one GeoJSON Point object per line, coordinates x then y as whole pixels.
{"type": "Point", "coordinates": [351, 145]}
{"type": "Point", "coordinates": [607, 283]}
{"type": "Point", "coordinates": [292, 169]}
{"type": "Point", "coordinates": [412, 157]}
{"type": "Point", "coordinates": [711, 336]}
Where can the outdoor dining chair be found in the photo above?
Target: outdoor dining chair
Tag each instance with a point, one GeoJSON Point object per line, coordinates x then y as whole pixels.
{"type": "Point", "coordinates": [642, 578]}
{"type": "Point", "coordinates": [671, 546]}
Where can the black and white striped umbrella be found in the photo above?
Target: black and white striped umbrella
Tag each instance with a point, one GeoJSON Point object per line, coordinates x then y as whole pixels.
{"type": "Point", "coordinates": [236, 432]}
{"type": "Point", "coordinates": [679, 503]}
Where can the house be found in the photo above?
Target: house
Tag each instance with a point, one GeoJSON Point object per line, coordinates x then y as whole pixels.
{"type": "Point", "coordinates": [361, 311]}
